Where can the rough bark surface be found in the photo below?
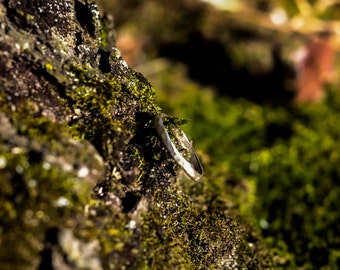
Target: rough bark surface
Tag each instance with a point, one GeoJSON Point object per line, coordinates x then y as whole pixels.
{"type": "Point", "coordinates": [85, 183]}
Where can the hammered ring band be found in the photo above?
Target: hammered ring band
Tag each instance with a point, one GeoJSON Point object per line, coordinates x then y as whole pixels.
{"type": "Point", "coordinates": [176, 142]}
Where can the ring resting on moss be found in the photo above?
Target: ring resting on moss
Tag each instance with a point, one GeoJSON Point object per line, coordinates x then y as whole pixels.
{"type": "Point", "coordinates": [179, 146]}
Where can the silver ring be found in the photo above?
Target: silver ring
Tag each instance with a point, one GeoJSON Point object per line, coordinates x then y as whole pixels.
{"type": "Point", "coordinates": [188, 160]}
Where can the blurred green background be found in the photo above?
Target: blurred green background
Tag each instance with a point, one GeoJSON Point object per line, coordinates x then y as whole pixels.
{"type": "Point", "coordinates": [258, 82]}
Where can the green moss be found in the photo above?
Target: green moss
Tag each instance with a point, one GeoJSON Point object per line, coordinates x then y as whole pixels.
{"type": "Point", "coordinates": [40, 186]}
{"type": "Point", "coordinates": [111, 105]}
{"type": "Point", "coordinates": [182, 231]}
{"type": "Point", "coordinates": [277, 166]}
{"type": "Point", "coordinates": [49, 67]}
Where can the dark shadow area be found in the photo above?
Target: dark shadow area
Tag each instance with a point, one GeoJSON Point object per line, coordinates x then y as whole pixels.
{"type": "Point", "coordinates": [50, 242]}
{"type": "Point", "coordinates": [84, 17]}
{"type": "Point", "coordinates": [209, 63]}
{"type": "Point", "coordinates": [130, 202]}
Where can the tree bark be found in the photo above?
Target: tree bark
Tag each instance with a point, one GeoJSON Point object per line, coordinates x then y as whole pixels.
{"type": "Point", "coordinates": [85, 182]}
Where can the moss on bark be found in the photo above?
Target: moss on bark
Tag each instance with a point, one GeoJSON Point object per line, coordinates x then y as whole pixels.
{"type": "Point", "coordinates": [85, 181]}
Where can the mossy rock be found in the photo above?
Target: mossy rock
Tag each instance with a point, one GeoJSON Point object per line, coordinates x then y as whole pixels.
{"type": "Point", "coordinates": [85, 181]}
